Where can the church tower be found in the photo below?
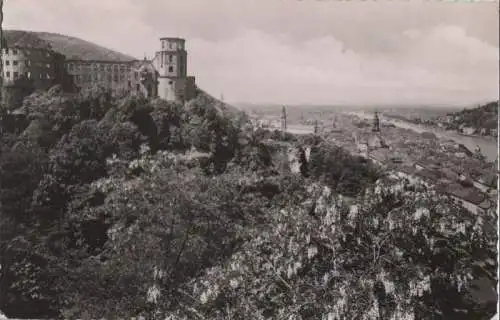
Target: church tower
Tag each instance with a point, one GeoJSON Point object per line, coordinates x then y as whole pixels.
{"type": "Point", "coordinates": [376, 123]}
{"type": "Point", "coordinates": [283, 119]}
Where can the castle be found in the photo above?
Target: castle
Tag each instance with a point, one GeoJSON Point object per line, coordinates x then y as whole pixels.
{"type": "Point", "coordinates": [31, 64]}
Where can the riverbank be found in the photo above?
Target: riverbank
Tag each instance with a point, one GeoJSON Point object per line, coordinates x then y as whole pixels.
{"type": "Point", "coordinates": [489, 148]}
{"type": "Point", "coordinates": [431, 127]}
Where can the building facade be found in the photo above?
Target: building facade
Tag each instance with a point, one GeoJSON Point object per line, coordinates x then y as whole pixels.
{"type": "Point", "coordinates": [112, 75]}
{"type": "Point", "coordinates": [28, 67]}
{"type": "Point", "coordinates": [41, 66]}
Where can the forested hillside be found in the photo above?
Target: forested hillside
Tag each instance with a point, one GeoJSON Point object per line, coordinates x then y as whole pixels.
{"type": "Point", "coordinates": [482, 117]}
{"type": "Point", "coordinates": [70, 47]}
{"type": "Point", "coordinates": [118, 208]}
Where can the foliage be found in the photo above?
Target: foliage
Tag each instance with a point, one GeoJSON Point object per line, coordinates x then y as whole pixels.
{"type": "Point", "coordinates": [20, 171]}
{"type": "Point", "coordinates": [118, 206]}
{"type": "Point", "coordinates": [484, 116]}
{"type": "Point", "coordinates": [336, 168]}
{"type": "Point", "coordinates": [363, 261]}
{"type": "Point", "coordinates": [161, 220]}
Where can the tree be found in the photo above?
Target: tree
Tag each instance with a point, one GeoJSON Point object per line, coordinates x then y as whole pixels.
{"type": "Point", "coordinates": [344, 173]}
{"type": "Point", "coordinates": [394, 254]}
{"type": "Point", "coordinates": [157, 221]}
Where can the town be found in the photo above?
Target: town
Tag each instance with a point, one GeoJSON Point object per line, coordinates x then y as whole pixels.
{"type": "Point", "coordinates": [451, 167]}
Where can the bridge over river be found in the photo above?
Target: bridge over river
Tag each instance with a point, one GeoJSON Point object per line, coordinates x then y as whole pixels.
{"type": "Point", "coordinates": [297, 129]}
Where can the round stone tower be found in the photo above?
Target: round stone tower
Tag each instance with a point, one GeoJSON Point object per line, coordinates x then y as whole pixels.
{"type": "Point", "coordinates": [172, 68]}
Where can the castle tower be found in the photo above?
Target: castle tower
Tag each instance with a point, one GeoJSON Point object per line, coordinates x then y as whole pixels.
{"type": "Point", "coordinates": [171, 64]}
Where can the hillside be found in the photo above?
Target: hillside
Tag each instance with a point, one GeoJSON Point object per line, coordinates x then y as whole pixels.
{"type": "Point", "coordinates": [123, 207]}
{"type": "Point", "coordinates": [484, 116]}
{"type": "Point", "coordinates": [71, 47]}
{"type": "Point", "coordinates": [223, 108]}
{"type": "Point", "coordinates": [134, 208]}
{"type": "Point", "coordinates": [482, 120]}
{"type": "Point", "coordinates": [76, 48]}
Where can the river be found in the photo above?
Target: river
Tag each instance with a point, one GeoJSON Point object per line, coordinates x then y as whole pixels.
{"type": "Point", "coordinates": [489, 148]}
{"type": "Point", "coordinates": [299, 129]}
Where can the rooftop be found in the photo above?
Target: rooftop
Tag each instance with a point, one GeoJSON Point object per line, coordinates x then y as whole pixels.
{"type": "Point", "coordinates": [471, 195]}
{"type": "Point", "coordinates": [428, 175]}
{"type": "Point", "coordinates": [488, 178]}
{"type": "Point", "coordinates": [173, 38]}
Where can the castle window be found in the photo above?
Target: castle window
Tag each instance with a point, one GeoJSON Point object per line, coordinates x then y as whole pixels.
{"type": "Point", "coordinates": [7, 62]}
{"type": "Point", "coordinates": [137, 87]}
{"type": "Point", "coordinates": [14, 51]}
{"type": "Point", "coordinates": [16, 75]}
{"type": "Point", "coordinates": [170, 69]}
{"type": "Point", "coordinates": [170, 45]}
{"type": "Point", "coordinates": [129, 84]}
{"type": "Point", "coordinates": [169, 58]}
{"type": "Point", "coordinates": [7, 74]}
{"type": "Point", "coordinates": [170, 82]}
{"type": "Point", "coordinates": [28, 62]}
{"type": "Point", "coordinates": [15, 62]}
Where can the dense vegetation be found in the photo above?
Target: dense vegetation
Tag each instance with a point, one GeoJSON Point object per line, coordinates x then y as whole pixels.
{"type": "Point", "coordinates": [483, 119]}
{"type": "Point", "coordinates": [123, 207]}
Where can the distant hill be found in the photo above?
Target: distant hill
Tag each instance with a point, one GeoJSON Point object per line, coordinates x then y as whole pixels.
{"type": "Point", "coordinates": [484, 116]}
{"type": "Point", "coordinates": [71, 47]}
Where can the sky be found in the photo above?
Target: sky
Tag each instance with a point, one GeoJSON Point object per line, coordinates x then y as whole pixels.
{"type": "Point", "coordinates": [328, 52]}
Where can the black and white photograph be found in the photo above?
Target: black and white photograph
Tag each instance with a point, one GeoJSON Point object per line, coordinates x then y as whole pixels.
{"type": "Point", "coordinates": [249, 159]}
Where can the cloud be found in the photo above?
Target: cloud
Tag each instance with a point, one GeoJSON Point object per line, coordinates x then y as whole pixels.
{"type": "Point", "coordinates": [444, 65]}
{"type": "Point", "coordinates": [298, 51]}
